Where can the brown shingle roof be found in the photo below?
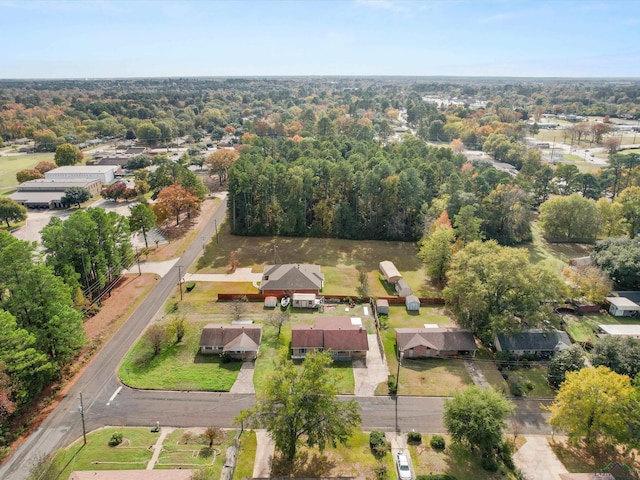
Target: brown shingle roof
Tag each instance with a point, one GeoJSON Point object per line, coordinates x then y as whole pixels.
{"type": "Point", "coordinates": [435, 338]}
{"type": "Point", "coordinates": [292, 276]}
{"type": "Point", "coordinates": [335, 333]}
{"type": "Point", "coordinates": [219, 335]}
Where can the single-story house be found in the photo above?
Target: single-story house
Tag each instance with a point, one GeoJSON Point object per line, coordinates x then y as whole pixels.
{"type": "Point", "coordinates": [170, 474]}
{"type": "Point", "coordinates": [434, 342]}
{"type": "Point", "coordinates": [345, 336]}
{"type": "Point", "coordinates": [236, 341]}
{"type": "Point", "coordinates": [412, 302]}
{"type": "Point", "coordinates": [632, 331]}
{"type": "Point", "coordinates": [304, 300]}
{"type": "Point", "coordinates": [622, 307]}
{"type": "Point", "coordinates": [382, 306]}
{"type": "Point", "coordinates": [389, 271]}
{"type": "Point", "coordinates": [402, 288]}
{"type": "Point", "coordinates": [271, 301]}
{"type": "Point", "coordinates": [541, 343]}
{"type": "Point", "coordinates": [289, 278]}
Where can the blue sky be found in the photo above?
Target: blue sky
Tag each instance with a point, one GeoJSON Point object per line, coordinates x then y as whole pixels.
{"type": "Point", "coordinates": [138, 38]}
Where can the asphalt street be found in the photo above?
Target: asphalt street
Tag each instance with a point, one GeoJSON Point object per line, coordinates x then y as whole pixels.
{"type": "Point", "coordinates": [107, 402]}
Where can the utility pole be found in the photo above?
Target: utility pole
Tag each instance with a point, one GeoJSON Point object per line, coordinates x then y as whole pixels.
{"type": "Point", "coordinates": [138, 261]}
{"type": "Point", "coordinates": [180, 280]}
{"type": "Point", "coordinates": [215, 223]}
{"type": "Point", "coordinates": [84, 430]}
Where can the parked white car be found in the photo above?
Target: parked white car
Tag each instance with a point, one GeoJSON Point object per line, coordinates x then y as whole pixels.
{"type": "Point", "coordinates": [404, 470]}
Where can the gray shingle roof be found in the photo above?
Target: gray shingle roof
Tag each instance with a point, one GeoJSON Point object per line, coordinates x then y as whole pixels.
{"type": "Point", "coordinates": [535, 340]}
{"type": "Point", "coordinates": [292, 276]}
{"type": "Point", "coordinates": [435, 338]}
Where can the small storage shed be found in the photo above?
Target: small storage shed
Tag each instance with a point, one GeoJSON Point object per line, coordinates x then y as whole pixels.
{"type": "Point", "coordinates": [403, 289]}
{"type": "Point", "coordinates": [271, 302]}
{"type": "Point", "coordinates": [413, 303]}
{"type": "Point", "coordinates": [622, 307]}
{"type": "Point", "coordinates": [389, 271]}
{"type": "Point", "coordinates": [382, 306]}
{"type": "Point", "coordinates": [303, 300]}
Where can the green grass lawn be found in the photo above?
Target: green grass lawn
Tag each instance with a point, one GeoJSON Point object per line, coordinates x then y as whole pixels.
{"type": "Point", "coordinates": [400, 317]}
{"type": "Point", "coordinates": [267, 362]}
{"type": "Point", "coordinates": [246, 455]}
{"type": "Point", "coordinates": [537, 376]}
{"type": "Point", "coordinates": [579, 459]}
{"type": "Point", "coordinates": [583, 328]}
{"type": "Point", "coordinates": [484, 361]}
{"type": "Point", "coordinates": [10, 165]}
{"type": "Point", "coordinates": [132, 454]}
{"type": "Point", "coordinates": [454, 460]}
{"type": "Point", "coordinates": [189, 449]}
{"type": "Point", "coordinates": [554, 255]}
{"type": "Point", "coordinates": [178, 366]}
{"type": "Point", "coordinates": [351, 460]}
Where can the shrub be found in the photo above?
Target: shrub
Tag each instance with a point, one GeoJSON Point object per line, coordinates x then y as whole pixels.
{"type": "Point", "coordinates": [414, 438]}
{"type": "Point", "coordinates": [519, 385]}
{"type": "Point", "coordinates": [505, 452]}
{"type": "Point", "coordinates": [392, 384]}
{"type": "Point", "coordinates": [490, 464]}
{"type": "Point", "coordinates": [378, 443]}
{"type": "Point", "coordinates": [190, 286]}
{"type": "Point", "coordinates": [437, 442]}
{"type": "Point", "coordinates": [116, 439]}
{"type": "Point", "coordinates": [380, 471]}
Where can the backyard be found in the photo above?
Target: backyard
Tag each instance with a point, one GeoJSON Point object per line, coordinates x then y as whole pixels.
{"type": "Point", "coordinates": [583, 328]}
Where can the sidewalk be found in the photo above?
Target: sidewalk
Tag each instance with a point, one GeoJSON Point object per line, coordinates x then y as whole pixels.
{"type": "Point", "coordinates": [157, 448]}
{"type": "Point", "coordinates": [264, 454]}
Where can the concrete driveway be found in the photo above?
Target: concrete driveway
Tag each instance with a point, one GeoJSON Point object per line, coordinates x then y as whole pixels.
{"type": "Point", "coordinates": [368, 377]}
{"type": "Point", "coordinates": [244, 381]}
{"type": "Point", "coordinates": [537, 461]}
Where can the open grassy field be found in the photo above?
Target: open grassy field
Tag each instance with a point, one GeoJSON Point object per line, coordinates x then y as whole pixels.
{"type": "Point", "coordinates": [190, 449]}
{"type": "Point", "coordinates": [454, 460]}
{"type": "Point", "coordinates": [554, 255]}
{"type": "Point", "coordinates": [10, 165]}
{"type": "Point", "coordinates": [178, 366]}
{"type": "Point", "coordinates": [340, 259]}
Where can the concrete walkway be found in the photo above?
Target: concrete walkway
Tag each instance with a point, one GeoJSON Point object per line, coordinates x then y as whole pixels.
{"type": "Point", "coordinates": [264, 453]}
{"type": "Point", "coordinates": [537, 461]}
{"type": "Point", "coordinates": [240, 275]}
{"type": "Point", "coordinates": [157, 448]}
{"type": "Point", "coordinates": [399, 442]}
{"type": "Point", "coordinates": [244, 381]}
{"type": "Point", "coordinates": [159, 268]}
{"type": "Point", "coordinates": [368, 377]}
{"type": "Point", "coordinates": [476, 374]}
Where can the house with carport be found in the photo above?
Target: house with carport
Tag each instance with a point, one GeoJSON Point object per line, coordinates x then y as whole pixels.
{"type": "Point", "coordinates": [435, 342]}
{"type": "Point", "coordinates": [344, 336]}
{"type": "Point", "coordinates": [537, 342]}
{"type": "Point", "coordinates": [235, 341]}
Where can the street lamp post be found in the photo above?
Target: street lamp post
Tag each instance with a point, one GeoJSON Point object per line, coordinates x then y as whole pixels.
{"type": "Point", "coordinates": [84, 430]}
{"type": "Point", "coordinates": [397, 387]}
{"type": "Point", "coordinates": [180, 279]}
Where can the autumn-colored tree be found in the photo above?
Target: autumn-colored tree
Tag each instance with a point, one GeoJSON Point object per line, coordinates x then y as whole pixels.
{"type": "Point", "coordinates": [230, 129]}
{"type": "Point", "coordinates": [612, 144]}
{"type": "Point", "coordinates": [28, 174]}
{"type": "Point", "coordinates": [177, 200]}
{"type": "Point", "coordinates": [161, 213]}
{"type": "Point", "coordinates": [233, 261]}
{"type": "Point", "coordinates": [598, 130]}
{"type": "Point", "coordinates": [7, 405]}
{"type": "Point", "coordinates": [220, 161]}
{"type": "Point", "coordinates": [457, 145]}
{"type": "Point", "coordinates": [589, 282]}
{"type": "Point", "coordinates": [44, 167]}
{"type": "Point", "coordinates": [248, 138]}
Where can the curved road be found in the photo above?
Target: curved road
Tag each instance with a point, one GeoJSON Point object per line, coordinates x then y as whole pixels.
{"type": "Point", "coordinates": [106, 402]}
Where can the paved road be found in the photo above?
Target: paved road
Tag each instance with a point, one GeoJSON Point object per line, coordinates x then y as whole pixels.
{"type": "Point", "coordinates": [98, 383]}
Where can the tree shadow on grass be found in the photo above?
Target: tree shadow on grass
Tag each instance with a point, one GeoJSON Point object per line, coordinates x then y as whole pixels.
{"type": "Point", "coordinates": [305, 465]}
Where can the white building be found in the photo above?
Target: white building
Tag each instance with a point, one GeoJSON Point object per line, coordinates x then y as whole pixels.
{"type": "Point", "coordinates": [104, 173]}
{"type": "Point", "coordinates": [622, 307]}
{"type": "Point", "coordinates": [621, 330]}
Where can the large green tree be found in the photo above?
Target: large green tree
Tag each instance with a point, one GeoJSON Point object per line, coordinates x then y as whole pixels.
{"type": "Point", "coordinates": [629, 198]}
{"type": "Point", "coordinates": [507, 215]}
{"type": "Point", "coordinates": [493, 289]}
{"type": "Point", "coordinates": [11, 211]}
{"type": "Point", "coordinates": [67, 154]}
{"type": "Point", "coordinates": [75, 196]}
{"type": "Point", "coordinates": [436, 250]}
{"type": "Point", "coordinates": [572, 359]}
{"type": "Point", "coordinates": [476, 418]}
{"type": "Point", "coordinates": [594, 405]}
{"type": "Point", "coordinates": [91, 248]}
{"type": "Point", "coordinates": [142, 220]}
{"type": "Point", "coordinates": [299, 406]}
{"type": "Point", "coordinates": [622, 355]}
{"type": "Point", "coordinates": [620, 259]}
{"type": "Point", "coordinates": [570, 219]}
